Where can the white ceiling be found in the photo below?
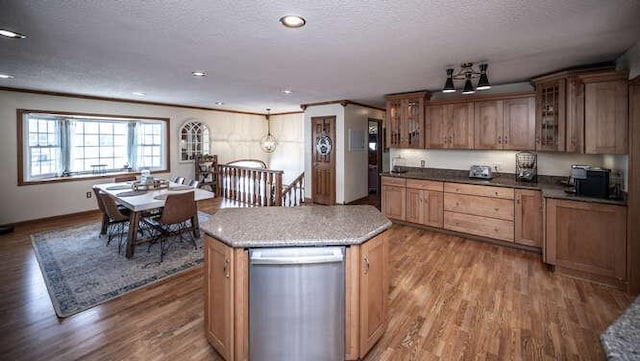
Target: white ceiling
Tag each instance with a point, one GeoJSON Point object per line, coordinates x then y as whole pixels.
{"type": "Point", "coordinates": [356, 50]}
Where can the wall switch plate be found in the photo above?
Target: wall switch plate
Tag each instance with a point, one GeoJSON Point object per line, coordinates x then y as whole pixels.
{"type": "Point", "coordinates": [88, 194]}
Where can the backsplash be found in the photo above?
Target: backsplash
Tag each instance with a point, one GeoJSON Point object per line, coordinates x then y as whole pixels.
{"type": "Point", "coordinates": [552, 164]}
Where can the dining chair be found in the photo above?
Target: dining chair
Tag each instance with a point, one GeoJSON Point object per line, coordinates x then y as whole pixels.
{"type": "Point", "coordinates": [105, 219]}
{"type": "Point", "coordinates": [179, 180]}
{"type": "Point", "coordinates": [193, 183]}
{"type": "Point", "coordinates": [124, 178]}
{"type": "Point", "coordinates": [175, 222]}
{"type": "Point", "coordinates": [117, 222]}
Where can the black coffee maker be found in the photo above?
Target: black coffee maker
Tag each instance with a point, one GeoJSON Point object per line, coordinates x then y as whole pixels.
{"type": "Point", "coordinates": [590, 181]}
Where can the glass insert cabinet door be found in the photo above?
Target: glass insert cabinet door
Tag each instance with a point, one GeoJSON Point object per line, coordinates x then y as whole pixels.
{"type": "Point", "coordinates": [550, 117]}
{"type": "Point", "coordinates": [194, 140]}
{"type": "Point", "coordinates": [405, 120]}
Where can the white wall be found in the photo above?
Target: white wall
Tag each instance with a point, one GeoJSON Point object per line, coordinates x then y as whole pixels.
{"type": "Point", "coordinates": [549, 163]}
{"type": "Point", "coordinates": [234, 136]}
{"type": "Point", "coordinates": [289, 155]}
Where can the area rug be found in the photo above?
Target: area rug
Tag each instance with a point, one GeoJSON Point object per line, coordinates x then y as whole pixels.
{"type": "Point", "coordinates": [81, 271]}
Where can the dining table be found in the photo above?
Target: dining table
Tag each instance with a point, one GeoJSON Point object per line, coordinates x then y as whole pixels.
{"type": "Point", "coordinates": [141, 201]}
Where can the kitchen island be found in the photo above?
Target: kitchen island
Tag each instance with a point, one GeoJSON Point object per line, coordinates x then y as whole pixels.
{"type": "Point", "coordinates": [232, 232]}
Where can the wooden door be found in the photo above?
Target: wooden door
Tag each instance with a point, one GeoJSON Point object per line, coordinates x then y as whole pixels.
{"type": "Point", "coordinates": [519, 124]}
{"type": "Point", "coordinates": [460, 126]}
{"type": "Point", "coordinates": [528, 217]}
{"type": "Point", "coordinates": [436, 136]}
{"type": "Point", "coordinates": [412, 123]}
{"type": "Point", "coordinates": [488, 119]}
{"type": "Point", "coordinates": [374, 290]}
{"type": "Point", "coordinates": [550, 115]}
{"type": "Point", "coordinates": [219, 301]}
{"type": "Point", "coordinates": [575, 115]}
{"type": "Point", "coordinates": [393, 201]}
{"type": "Point", "coordinates": [587, 237]}
{"type": "Point", "coordinates": [433, 208]}
{"type": "Point", "coordinates": [392, 123]}
{"type": "Point", "coordinates": [323, 154]}
{"type": "Point", "coordinates": [606, 115]}
{"type": "Point", "coordinates": [414, 206]}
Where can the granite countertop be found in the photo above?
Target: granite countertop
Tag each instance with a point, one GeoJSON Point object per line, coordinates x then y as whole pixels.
{"type": "Point", "coordinates": [621, 340]}
{"type": "Point", "coordinates": [295, 226]}
{"type": "Point", "coordinates": [550, 186]}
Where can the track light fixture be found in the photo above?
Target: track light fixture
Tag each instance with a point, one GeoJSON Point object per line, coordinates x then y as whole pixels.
{"type": "Point", "coordinates": [467, 73]}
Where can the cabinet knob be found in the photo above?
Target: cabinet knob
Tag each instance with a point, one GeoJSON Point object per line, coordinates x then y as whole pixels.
{"type": "Point", "coordinates": [499, 140]}
{"type": "Point", "coordinates": [225, 269]}
{"type": "Point", "coordinates": [505, 140]}
{"type": "Point", "coordinates": [366, 264]}
{"type": "Point", "coordinates": [537, 139]}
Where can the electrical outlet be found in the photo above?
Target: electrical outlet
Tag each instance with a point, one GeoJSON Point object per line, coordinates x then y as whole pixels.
{"type": "Point", "coordinates": [497, 166]}
{"type": "Point", "coordinates": [88, 194]}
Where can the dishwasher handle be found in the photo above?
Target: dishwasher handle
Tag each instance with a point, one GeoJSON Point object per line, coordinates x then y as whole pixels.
{"type": "Point", "coordinates": [276, 256]}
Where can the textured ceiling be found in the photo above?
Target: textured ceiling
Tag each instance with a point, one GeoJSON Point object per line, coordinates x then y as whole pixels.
{"type": "Point", "coordinates": [356, 50]}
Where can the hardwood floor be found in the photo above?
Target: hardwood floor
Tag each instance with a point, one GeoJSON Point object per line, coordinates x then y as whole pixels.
{"type": "Point", "coordinates": [450, 298]}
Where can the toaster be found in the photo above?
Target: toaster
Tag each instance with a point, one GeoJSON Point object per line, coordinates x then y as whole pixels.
{"type": "Point", "coordinates": [480, 171]}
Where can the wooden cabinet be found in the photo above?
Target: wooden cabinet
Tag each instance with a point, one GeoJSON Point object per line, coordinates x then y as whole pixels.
{"type": "Point", "coordinates": [587, 239]}
{"type": "Point", "coordinates": [450, 126]}
{"type": "Point", "coordinates": [528, 217]}
{"type": "Point", "coordinates": [424, 204]}
{"type": "Point", "coordinates": [226, 314]}
{"type": "Point", "coordinates": [393, 197]}
{"type": "Point", "coordinates": [606, 113]}
{"type": "Point", "coordinates": [480, 210]}
{"type": "Point", "coordinates": [206, 171]}
{"type": "Point", "coordinates": [405, 120]}
{"type": "Point", "coordinates": [374, 291]}
{"type": "Point", "coordinates": [507, 124]}
{"type": "Point", "coordinates": [550, 114]}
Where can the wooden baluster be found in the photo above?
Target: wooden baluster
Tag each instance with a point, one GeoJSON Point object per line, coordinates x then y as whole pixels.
{"type": "Point", "coordinates": [278, 189]}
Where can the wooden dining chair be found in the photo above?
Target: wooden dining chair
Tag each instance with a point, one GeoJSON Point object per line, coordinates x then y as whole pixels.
{"type": "Point", "coordinates": [178, 221]}
{"type": "Point", "coordinates": [124, 178]}
{"type": "Point", "coordinates": [105, 219]}
{"type": "Point", "coordinates": [117, 222]}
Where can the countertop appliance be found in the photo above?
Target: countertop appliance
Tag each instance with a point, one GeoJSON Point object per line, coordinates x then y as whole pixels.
{"type": "Point", "coordinates": [526, 167]}
{"type": "Point", "coordinates": [480, 171]}
{"type": "Point", "coordinates": [590, 181]}
{"type": "Point", "coordinates": [296, 303]}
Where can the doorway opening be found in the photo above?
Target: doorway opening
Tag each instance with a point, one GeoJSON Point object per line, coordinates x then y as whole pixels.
{"type": "Point", "coordinates": [374, 148]}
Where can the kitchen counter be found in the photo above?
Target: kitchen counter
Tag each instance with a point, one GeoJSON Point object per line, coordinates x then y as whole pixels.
{"type": "Point", "coordinates": [549, 185]}
{"type": "Point", "coordinates": [295, 226]}
{"type": "Point", "coordinates": [621, 340]}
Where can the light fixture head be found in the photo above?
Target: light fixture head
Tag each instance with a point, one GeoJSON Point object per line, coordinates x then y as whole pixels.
{"type": "Point", "coordinates": [483, 82]}
{"type": "Point", "coordinates": [6, 76]}
{"type": "Point", "coordinates": [448, 84]}
{"type": "Point", "coordinates": [219, 103]}
{"type": "Point", "coordinates": [198, 73]}
{"type": "Point", "coordinates": [287, 91]}
{"type": "Point", "coordinates": [268, 143]}
{"type": "Point", "coordinates": [140, 94]}
{"type": "Point", "coordinates": [11, 34]}
{"type": "Point", "coordinates": [293, 21]}
{"type": "Point", "coordinates": [468, 87]}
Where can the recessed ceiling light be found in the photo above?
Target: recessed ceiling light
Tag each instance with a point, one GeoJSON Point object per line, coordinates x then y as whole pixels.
{"type": "Point", "coordinates": [141, 94]}
{"type": "Point", "coordinates": [11, 34]}
{"type": "Point", "coordinates": [198, 73]}
{"type": "Point", "coordinates": [293, 21]}
{"type": "Point", "coordinates": [219, 103]}
{"type": "Point", "coordinates": [6, 76]}
{"type": "Point", "coordinates": [287, 91]}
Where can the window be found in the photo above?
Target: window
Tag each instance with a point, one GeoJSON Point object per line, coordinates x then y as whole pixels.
{"type": "Point", "coordinates": [57, 146]}
{"type": "Point", "coordinates": [194, 140]}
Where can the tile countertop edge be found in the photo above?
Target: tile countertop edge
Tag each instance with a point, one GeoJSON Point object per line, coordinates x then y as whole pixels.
{"type": "Point", "coordinates": [549, 190]}
{"type": "Point", "coordinates": [621, 340]}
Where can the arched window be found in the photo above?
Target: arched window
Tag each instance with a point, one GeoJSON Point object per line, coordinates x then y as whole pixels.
{"type": "Point", "coordinates": [194, 140]}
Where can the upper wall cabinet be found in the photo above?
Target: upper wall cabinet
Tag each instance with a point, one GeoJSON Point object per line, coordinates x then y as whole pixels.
{"type": "Point", "coordinates": [507, 124]}
{"type": "Point", "coordinates": [582, 112]}
{"type": "Point", "coordinates": [450, 126]}
{"type": "Point", "coordinates": [606, 113]}
{"type": "Point", "coordinates": [405, 120]}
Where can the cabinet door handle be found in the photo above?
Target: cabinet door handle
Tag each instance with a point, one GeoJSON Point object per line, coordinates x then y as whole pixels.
{"type": "Point", "coordinates": [505, 140]}
{"type": "Point", "coordinates": [499, 140]}
{"type": "Point", "coordinates": [366, 264]}
{"type": "Point", "coordinates": [537, 139]}
{"type": "Point", "coordinates": [225, 269]}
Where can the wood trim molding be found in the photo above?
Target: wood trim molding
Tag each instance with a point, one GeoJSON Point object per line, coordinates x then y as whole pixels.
{"type": "Point", "coordinates": [119, 100]}
{"type": "Point", "coordinates": [423, 93]}
{"type": "Point", "coordinates": [633, 201]}
{"type": "Point", "coordinates": [481, 98]}
{"type": "Point", "coordinates": [635, 81]}
{"type": "Point", "coordinates": [343, 102]}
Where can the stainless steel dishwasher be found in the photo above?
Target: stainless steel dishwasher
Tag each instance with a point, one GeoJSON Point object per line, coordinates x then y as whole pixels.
{"type": "Point", "coordinates": [296, 303]}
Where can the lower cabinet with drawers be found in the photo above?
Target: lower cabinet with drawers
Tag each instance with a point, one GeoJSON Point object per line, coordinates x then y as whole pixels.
{"type": "Point", "coordinates": [501, 213]}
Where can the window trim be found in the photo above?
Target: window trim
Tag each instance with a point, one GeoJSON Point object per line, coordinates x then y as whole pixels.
{"type": "Point", "coordinates": [83, 177]}
{"type": "Point", "coordinates": [192, 125]}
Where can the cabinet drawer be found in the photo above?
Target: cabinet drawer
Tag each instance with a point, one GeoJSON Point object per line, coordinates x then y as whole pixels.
{"type": "Point", "coordinates": [425, 184]}
{"type": "Point", "coordinates": [392, 181]}
{"type": "Point", "coordinates": [476, 190]}
{"type": "Point", "coordinates": [480, 226]}
{"type": "Point", "coordinates": [480, 206]}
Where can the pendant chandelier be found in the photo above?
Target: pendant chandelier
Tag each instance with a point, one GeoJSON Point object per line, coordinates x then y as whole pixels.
{"type": "Point", "coordinates": [268, 142]}
{"type": "Point", "coordinates": [467, 73]}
